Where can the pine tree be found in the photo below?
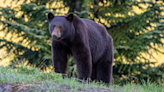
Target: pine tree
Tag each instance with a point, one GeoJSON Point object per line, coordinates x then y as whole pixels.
{"type": "Point", "coordinates": [133, 33]}
{"type": "Point", "coordinates": [32, 27]}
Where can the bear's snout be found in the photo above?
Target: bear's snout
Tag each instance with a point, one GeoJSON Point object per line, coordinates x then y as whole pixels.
{"type": "Point", "coordinates": [56, 34]}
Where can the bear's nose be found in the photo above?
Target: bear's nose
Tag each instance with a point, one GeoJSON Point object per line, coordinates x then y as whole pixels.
{"type": "Point", "coordinates": [55, 36]}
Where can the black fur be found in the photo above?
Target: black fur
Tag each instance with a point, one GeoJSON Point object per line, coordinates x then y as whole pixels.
{"type": "Point", "coordinates": [88, 42]}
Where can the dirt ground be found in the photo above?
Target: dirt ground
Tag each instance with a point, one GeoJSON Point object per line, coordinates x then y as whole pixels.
{"type": "Point", "coordinates": [4, 87]}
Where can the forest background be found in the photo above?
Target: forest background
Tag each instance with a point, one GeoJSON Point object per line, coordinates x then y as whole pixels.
{"type": "Point", "coordinates": [137, 28]}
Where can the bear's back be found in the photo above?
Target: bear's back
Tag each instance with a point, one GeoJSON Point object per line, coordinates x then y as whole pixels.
{"type": "Point", "coordinates": [95, 28]}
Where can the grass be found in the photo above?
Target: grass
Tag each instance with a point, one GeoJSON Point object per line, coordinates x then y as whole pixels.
{"type": "Point", "coordinates": [32, 79]}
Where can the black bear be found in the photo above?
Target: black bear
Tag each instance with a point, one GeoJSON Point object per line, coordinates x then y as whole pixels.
{"type": "Point", "coordinates": [87, 41]}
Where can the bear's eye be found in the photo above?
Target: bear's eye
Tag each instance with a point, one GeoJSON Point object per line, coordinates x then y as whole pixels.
{"type": "Point", "coordinates": [54, 26]}
{"type": "Point", "coordinates": [60, 27]}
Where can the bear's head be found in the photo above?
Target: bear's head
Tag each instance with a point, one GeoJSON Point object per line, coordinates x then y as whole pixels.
{"type": "Point", "coordinates": [60, 26]}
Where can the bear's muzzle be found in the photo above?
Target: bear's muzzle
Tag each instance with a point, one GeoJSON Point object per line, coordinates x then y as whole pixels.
{"type": "Point", "coordinates": [56, 34]}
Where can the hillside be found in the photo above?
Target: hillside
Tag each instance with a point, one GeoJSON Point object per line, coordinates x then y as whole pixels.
{"type": "Point", "coordinates": [31, 79]}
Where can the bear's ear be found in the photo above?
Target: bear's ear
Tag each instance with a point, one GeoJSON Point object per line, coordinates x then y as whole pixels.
{"type": "Point", "coordinates": [50, 16]}
{"type": "Point", "coordinates": [70, 16]}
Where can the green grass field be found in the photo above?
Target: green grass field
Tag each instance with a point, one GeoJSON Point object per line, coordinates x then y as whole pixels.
{"type": "Point", "coordinates": [31, 79]}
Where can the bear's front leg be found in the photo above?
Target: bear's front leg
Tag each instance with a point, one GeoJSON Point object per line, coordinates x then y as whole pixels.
{"type": "Point", "coordinates": [59, 57]}
{"type": "Point", "coordinates": [82, 56]}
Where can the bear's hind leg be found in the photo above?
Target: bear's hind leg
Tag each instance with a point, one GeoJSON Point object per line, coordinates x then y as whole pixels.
{"type": "Point", "coordinates": [93, 76]}
{"type": "Point", "coordinates": [104, 70]}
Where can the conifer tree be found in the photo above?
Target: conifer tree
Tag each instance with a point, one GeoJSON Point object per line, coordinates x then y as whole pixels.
{"type": "Point", "coordinates": [133, 33]}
